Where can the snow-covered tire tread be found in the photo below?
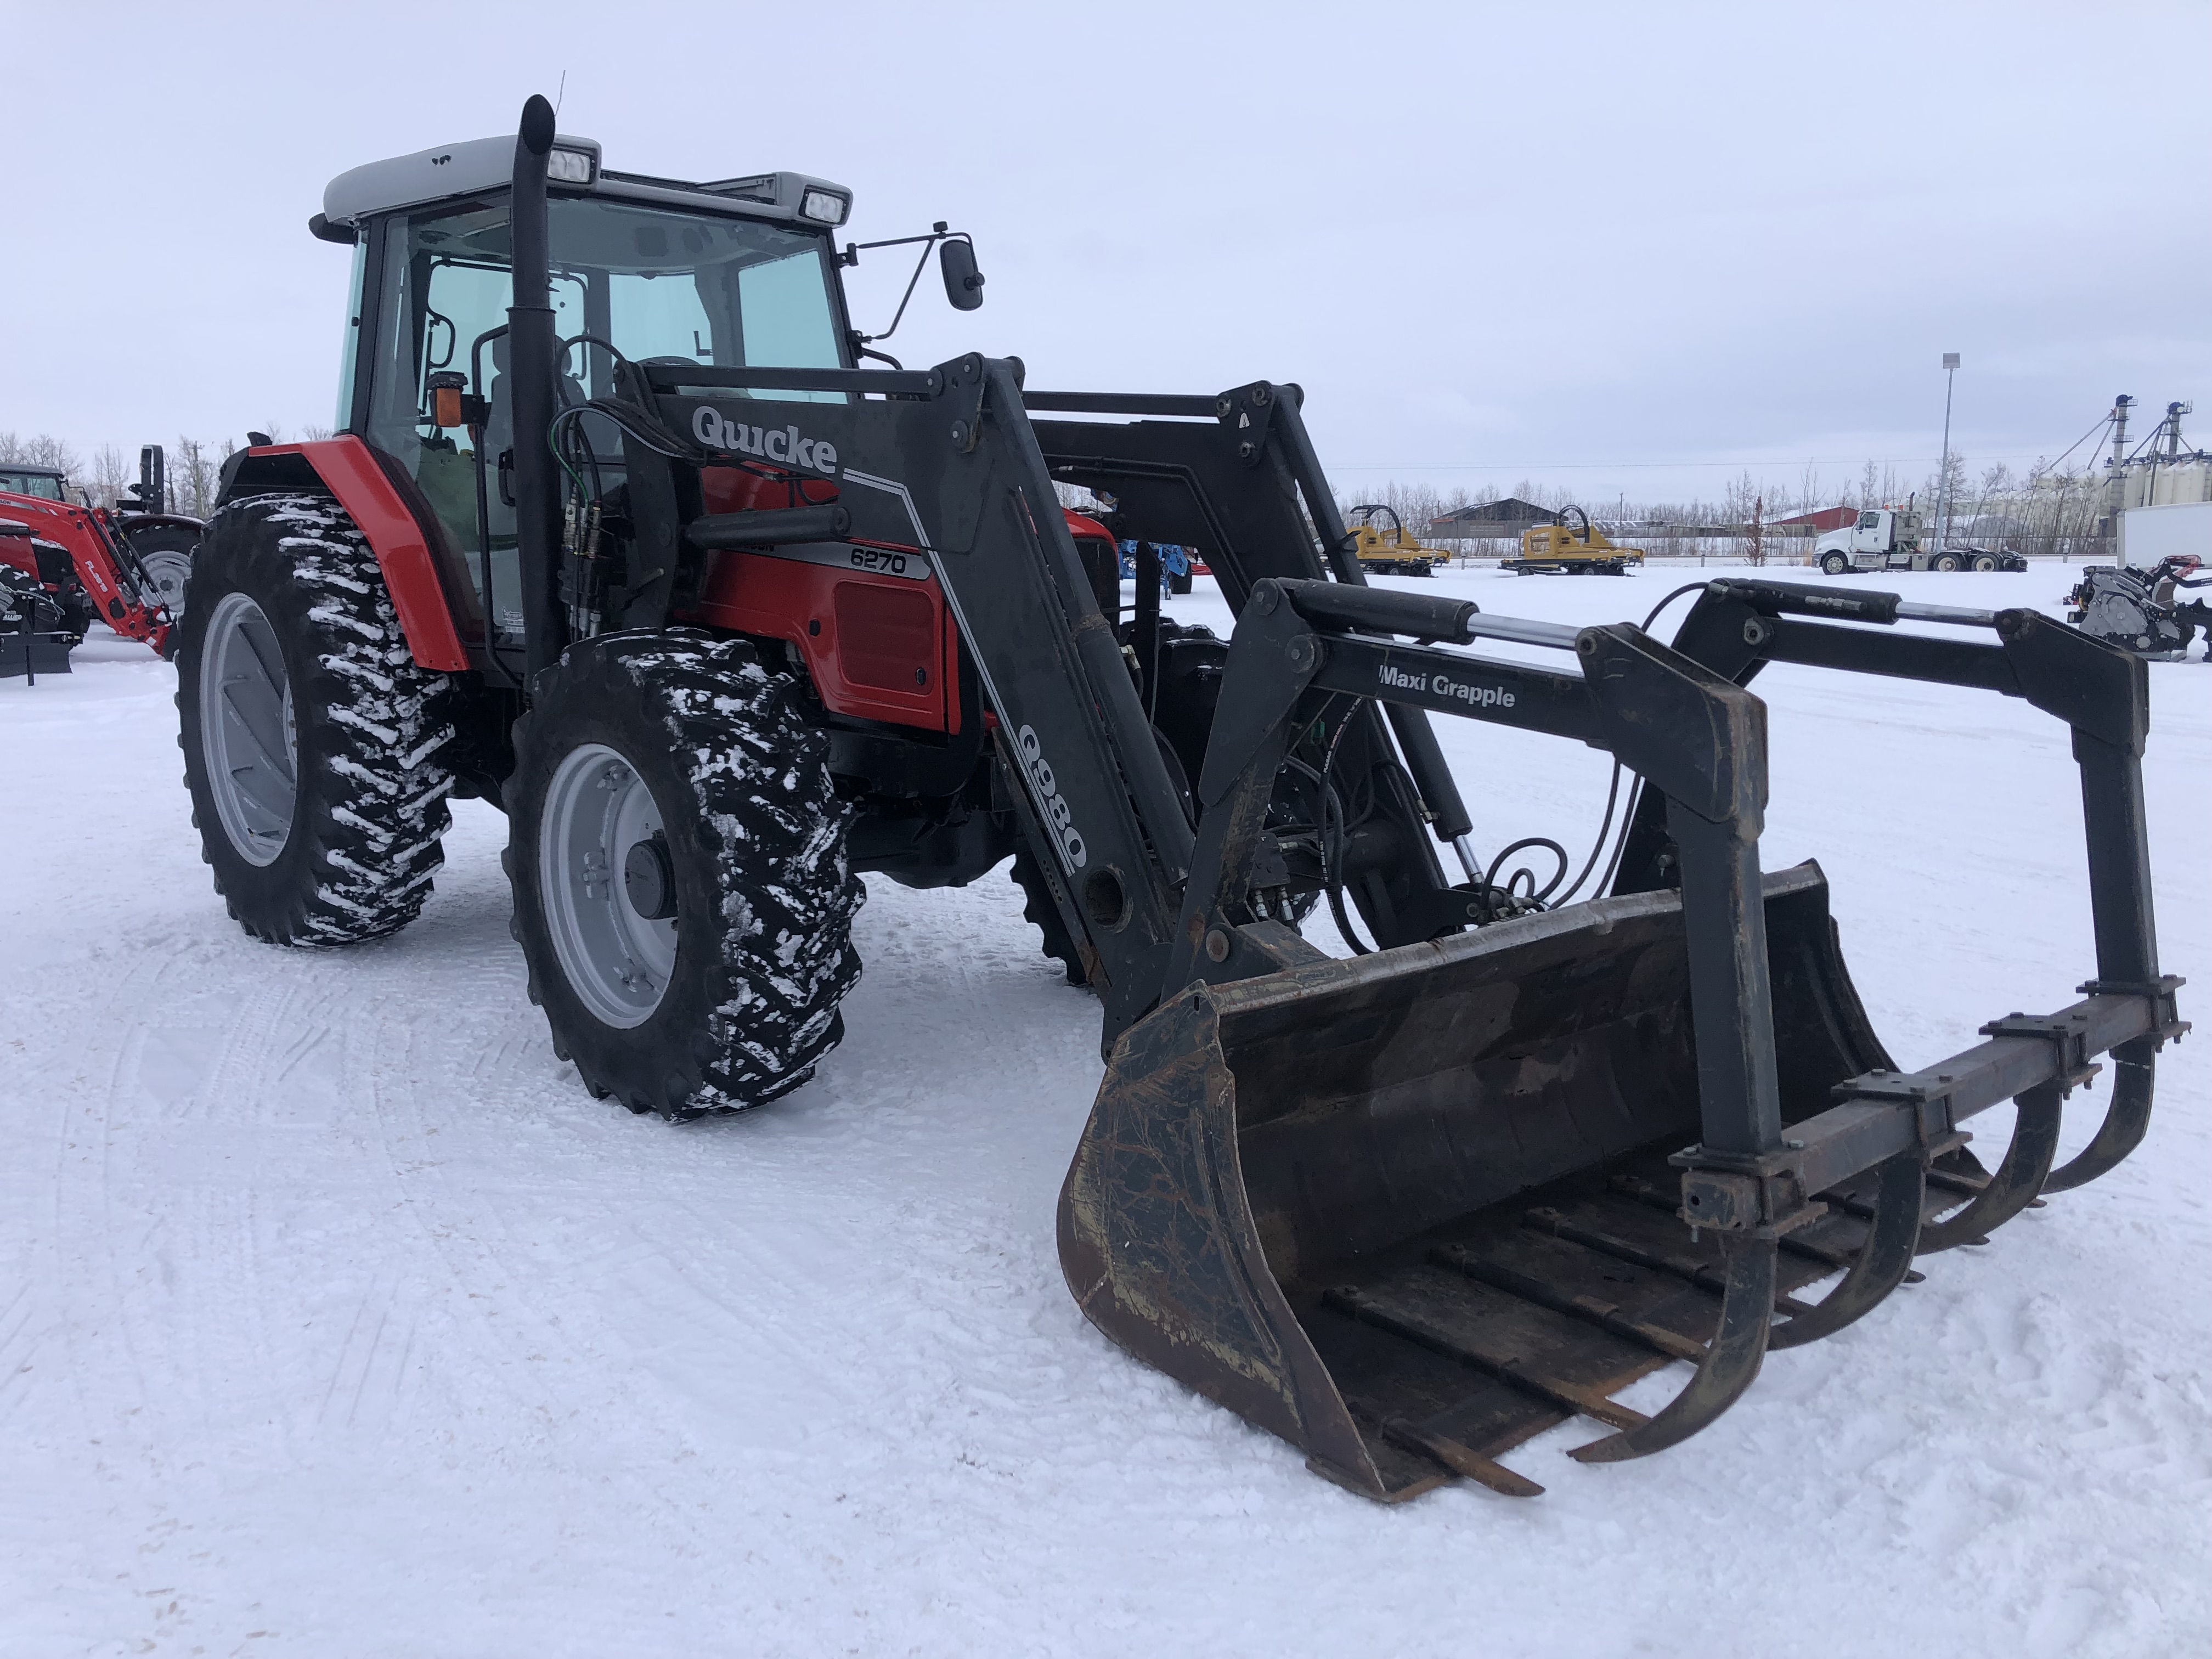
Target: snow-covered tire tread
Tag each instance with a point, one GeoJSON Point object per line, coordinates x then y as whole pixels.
{"type": "Point", "coordinates": [765, 961]}
{"type": "Point", "coordinates": [372, 726]}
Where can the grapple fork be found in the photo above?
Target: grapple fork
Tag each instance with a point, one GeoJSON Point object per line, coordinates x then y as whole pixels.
{"type": "Point", "coordinates": [1401, 1209]}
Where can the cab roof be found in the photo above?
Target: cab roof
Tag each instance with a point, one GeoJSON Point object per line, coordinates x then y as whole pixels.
{"type": "Point", "coordinates": [479, 166]}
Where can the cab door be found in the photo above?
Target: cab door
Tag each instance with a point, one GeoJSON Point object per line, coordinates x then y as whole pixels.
{"type": "Point", "coordinates": [443, 293]}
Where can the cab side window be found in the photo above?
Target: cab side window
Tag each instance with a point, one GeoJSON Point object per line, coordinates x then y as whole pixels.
{"type": "Point", "coordinates": [445, 285]}
{"type": "Point", "coordinates": [442, 307]}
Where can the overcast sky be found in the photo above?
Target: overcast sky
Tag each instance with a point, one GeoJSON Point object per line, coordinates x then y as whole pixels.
{"type": "Point", "coordinates": [1626, 248]}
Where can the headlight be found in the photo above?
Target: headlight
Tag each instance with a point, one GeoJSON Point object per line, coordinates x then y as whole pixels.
{"type": "Point", "coordinates": [822, 206]}
{"type": "Point", "coordinates": [569, 166]}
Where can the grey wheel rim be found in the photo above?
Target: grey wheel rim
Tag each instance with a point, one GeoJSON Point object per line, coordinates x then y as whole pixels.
{"type": "Point", "coordinates": [618, 961]}
{"type": "Point", "coordinates": [246, 735]}
{"type": "Point", "coordinates": [167, 569]}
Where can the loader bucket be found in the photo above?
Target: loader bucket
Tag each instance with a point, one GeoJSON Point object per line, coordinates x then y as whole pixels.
{"type": "Point", "coordinates": [1409, 1210]}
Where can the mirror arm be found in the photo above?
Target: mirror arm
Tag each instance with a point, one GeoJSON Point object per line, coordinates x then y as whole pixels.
{"type": "Point", "coordinates": [850, 256]}
{"type": "Point", "coordinates": [900, 314]}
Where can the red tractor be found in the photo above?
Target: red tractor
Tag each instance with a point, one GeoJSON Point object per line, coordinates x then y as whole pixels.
{"type": "Point", "coordinates": [127, 566]}
{"type": "Point", "coordinates": [619, 535]}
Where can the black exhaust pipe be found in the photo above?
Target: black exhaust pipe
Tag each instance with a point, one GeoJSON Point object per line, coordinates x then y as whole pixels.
{"type": "Point", "coordinates": [530, 348]}
{"type": "Point", "coordinates": [153, 480]}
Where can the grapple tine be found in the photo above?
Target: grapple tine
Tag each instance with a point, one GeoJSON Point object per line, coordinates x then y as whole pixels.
{"type": "Point", "coordinates": [2125, 1121]}
{"type": "Point", "coordinates": [1730, 1365]}
{"type": "Point", "coordinates": [1883, 1261]}
{"type": "Point", "coordinates": [1497, 1361]}
{"type": "Point", "coordinates": [2019, 1178]}
{"type": "Point", "coordinates": [1462, 1460]}
{"type": "Point", "coordinates": [1688, 1268]}
{"type": "Point", "coordinates": [1602, 1314]}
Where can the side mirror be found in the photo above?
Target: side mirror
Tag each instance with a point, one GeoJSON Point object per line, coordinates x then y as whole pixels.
{"type": "Point", "coordinates": [963, 284]}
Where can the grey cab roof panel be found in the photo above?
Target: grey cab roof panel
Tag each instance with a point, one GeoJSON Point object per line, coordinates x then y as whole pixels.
{"type": "Point", "coordinates": [482, 165]}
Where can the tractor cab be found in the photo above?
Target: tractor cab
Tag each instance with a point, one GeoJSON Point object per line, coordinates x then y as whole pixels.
{"type": "Point", "coordinates": [737, 273]}
{"type": "Point", "coordinates": [46, 484]}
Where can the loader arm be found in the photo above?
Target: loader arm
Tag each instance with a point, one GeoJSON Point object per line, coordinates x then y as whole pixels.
{"type": "Point", "coordinates": [947, 461]}
{"type": "Point", "coordinates": [1237, 475]}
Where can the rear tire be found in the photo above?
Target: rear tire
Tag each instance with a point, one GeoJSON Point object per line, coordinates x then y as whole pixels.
{"type": "Point", "coordinates": [682, 894]}
{"type": "Point", "coordinates": [312, 743]}
{"type": "Point", "coordinates": [1944, 562]}
{"type": "Point", "coordinates": [1985, 561]}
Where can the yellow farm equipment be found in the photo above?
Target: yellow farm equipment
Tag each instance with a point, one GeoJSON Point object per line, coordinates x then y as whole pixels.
{"type": "Point", "coordinates": [1562, 550]}
{"type": "Point", "coordinates": [1393, 552]}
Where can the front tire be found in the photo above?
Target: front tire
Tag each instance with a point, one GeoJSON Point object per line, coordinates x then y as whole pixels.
{"type": "Point", "coordinates": [682, 894]}
{"type": "Point", "coordinates": [312, 741]}
{"type": "Point", "coordinates": [1041, 912]}
{"type": "Point", "coordinates": [1834, 564]}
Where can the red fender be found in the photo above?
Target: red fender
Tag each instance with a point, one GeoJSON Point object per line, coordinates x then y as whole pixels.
{"type": "Point", "coordinates": [402, 542]}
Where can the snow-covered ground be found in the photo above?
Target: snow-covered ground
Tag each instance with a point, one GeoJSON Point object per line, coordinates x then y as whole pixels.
{"type": "Point", "coordinates": [336, 1319]}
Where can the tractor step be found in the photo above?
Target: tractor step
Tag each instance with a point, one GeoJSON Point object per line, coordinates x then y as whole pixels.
{"type": "Point", "coordinates": [1479, 1335]}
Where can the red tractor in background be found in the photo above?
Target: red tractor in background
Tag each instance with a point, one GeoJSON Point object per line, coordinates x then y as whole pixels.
{"type": "Point", "coordinates": [126, 566]}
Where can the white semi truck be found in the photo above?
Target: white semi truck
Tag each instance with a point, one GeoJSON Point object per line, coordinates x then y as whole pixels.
{"type": "Point", "coordinates": [1889, 538]}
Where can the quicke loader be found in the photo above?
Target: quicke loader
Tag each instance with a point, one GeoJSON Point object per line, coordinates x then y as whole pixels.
{"type": "Point", "coordinates": [617, 534]}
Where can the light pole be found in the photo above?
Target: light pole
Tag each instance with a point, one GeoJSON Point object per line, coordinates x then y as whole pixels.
{"type": "Point", "coordinates": [1943, 479]}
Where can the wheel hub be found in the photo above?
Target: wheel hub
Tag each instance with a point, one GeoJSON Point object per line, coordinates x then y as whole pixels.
{"type": "Point", "coordinates": [615, 936]}
{"type": "Point", "coordinates": [246, 734]}
{"type": "Point", "coordinates": [648, 879]}
{"type": "Point", "coordinates": [167, 571]}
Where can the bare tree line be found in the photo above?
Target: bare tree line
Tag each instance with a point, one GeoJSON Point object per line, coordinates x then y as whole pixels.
{"type": "Point", "coordinates": [2046, 511]}
{"type": "Point", "coordinates": [194, 465]}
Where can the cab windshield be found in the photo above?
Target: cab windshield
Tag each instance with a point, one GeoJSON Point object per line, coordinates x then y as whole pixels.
{"type": "Point", "coordinates": [44, 485]}
{"type": "Point", "coordinates": [652, 283]}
